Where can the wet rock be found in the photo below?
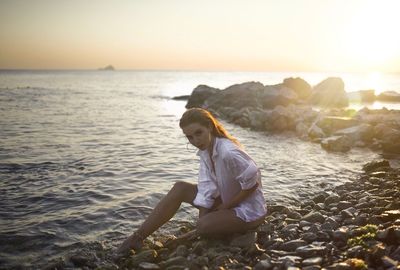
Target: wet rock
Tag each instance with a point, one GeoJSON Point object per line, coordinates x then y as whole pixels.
{"type": "Point", "coordinates": [174, 261]}
{"type": "Point", "coordinates": [289, 260]}
{"type": "Point", "coordinates": [314, 217]}
{"type": "Point", "coordinates": [376, 166]}
{"type": "Point", "coordinates": [348, 213]}
{"type": "Point", "coordinates": [341, 234]}
{"type": "Point", "coordinates": [144, 256]}
{"type": "Point", "coordinates": [264, 265]}
{"type": "Point", "coordinates": [311, 251]}
{"type": "Point", "coordinates": [148, 266]}
{"type": "Point", "coordinates": [331, 124]}
{"type": "Point", "coordinates": [199, 247]}
{"type": "Point", "coordinates": [344, 205]}
{"type": "Point", "coordinates": [341, 143]}
{"type": "Point", "coordinates": [339, 266]}
{"type": "Point", "coordinates": [309, 237]}
{"type": "Point", "coordinates": [293, 245]}
{"type": "Point", "coordinates": [312, 261]}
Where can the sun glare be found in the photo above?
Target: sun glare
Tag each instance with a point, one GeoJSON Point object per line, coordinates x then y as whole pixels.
{"type": "Point", "coordinates": [371, 39]}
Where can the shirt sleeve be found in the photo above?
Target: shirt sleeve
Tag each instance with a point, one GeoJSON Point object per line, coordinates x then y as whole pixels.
{"type": "Point", "coordinates": [207, 190]}
{"type": "Point", "coordinates": [243, 168]}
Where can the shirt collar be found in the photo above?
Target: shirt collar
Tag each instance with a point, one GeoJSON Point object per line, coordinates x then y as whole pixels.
{"type": "Point", "coordinates": [204, 153]}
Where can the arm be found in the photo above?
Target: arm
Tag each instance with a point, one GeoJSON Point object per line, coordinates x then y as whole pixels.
{"type": "Point", "coordinates": [238, 198]}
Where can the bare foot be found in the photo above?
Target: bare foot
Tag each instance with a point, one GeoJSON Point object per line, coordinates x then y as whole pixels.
{"type": "Point", "coordinates": [134, 241]}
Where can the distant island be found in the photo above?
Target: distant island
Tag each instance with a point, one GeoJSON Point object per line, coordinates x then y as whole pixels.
{"type": "Point", "coordinates": [109, 67]}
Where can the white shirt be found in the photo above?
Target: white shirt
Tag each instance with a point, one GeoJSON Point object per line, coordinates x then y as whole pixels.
{"type": "Point", "coordinates": [234, 171]}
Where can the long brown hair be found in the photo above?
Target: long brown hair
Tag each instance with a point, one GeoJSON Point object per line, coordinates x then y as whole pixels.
{"type": "Point", "coordinates": [205, 118]}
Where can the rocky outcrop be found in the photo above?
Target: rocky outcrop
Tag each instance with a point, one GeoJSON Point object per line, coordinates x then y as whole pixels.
{"type": "Point", "coordinates": [283, 108]}
{"type": "Point", "coordinates": [362, 96]}
{"type": "Point", "coordinates": [353, 226]}
{"type": "Point", "coordinates": [389, 96]}
{"type": "Point", "coordinates": [199, 95]}
{"type": "Point", "coordinates": [329, 93]}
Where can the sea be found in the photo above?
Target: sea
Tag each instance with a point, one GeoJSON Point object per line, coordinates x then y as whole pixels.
{"type": "Point", "coordinates": [86, 155]}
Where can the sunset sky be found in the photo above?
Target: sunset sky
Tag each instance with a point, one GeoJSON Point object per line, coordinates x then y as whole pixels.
{"type": "Point", "coordinates": [243, 35]}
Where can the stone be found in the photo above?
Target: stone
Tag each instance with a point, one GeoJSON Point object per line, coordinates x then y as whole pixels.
{"type": "Point", "coordinates": [199, 95]}
{"type": "Point", "coordinates": [300, 86]}
{"type": "Point", "coordinates": [293, 245]}
{"type": "Point", "coordinates": [362, 96]}
{"type": "Point", "coordinates": [389, 96]}
{"type": "Point", "coordinates": [329, 93]}
{"type": "Point", "coordinates": [331, 124]}
{"type": "Point", "coordinates": [312, 261]}
{"type": "Point", "coordinates": [148, 266]}
{"type": "Point", "coordinates": [314, 217]}
{"type": "Point", "coordinates": [264, 265]}
{"type": "Point", "coordinates": [341, 234]}
{"type": "Point", "coordinates": [182, 250]}
{"type": "Point", "coordinates": [174, 261]}
{"type": "Point", "coordinates": [311, 251]}
{"type": "Point", "coordinates": [309, 237]}
{"type": "Point", "coordinates": [144, 256]}
{"type": "Point", "coordinates": [343, 205]}
{"type": "Point", "coordinates": [341, 143]}
{"type": "Point", "coordinates": [362, 132]}
{"type": "Point", "coordinates": [376, 166]}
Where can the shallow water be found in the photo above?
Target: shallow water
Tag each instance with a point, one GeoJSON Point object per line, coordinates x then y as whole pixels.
{"type": "Point", "coordinates": [85, 156]}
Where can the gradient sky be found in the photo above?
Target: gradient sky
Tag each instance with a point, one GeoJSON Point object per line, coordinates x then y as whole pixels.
{"type": "Point", "coordinates": [247, 35]}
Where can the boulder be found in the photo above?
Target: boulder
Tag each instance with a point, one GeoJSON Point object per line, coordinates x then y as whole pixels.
{"type": "Point", "coordinates": [389, 96]}
{"type": "Point", "coordinates": [273, 96]}
{"type": "Point", "coordinates": [238, 96]}
{"type": "Point", "coordinates": [329, 93]}
{"type": "Point", "coordinates": [199, 95]}
{"type": "Point", "coordinates": [300, 87]}
{"type": "Point", "coordinates": [363, 132]}
{"type": "Point", "coordinates": [330, 124]}
{"type": "Point", "coordinates": [337, 143]}
{"type": "Point", "coordinates": [362, 96]}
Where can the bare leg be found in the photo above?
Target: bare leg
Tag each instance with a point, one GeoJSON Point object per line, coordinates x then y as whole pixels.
{"type": "Point", "coordinates": [164, 211]}
{"type": "Point", "coordinates": [224, 222]}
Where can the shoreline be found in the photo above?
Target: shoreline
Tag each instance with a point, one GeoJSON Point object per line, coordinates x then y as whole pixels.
{"type": "Point", "coordinates": [355, 225]}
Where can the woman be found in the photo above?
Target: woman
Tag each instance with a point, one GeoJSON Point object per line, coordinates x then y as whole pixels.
{"type": "Point", "coordinates": [228, 194]}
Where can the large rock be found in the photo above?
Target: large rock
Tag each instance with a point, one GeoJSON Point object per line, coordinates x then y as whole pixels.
{"type": "Point", "coordinates": [329, 93]}
{"type": "Point", "coordinates": [275, 95]}
{"type": "Point", "coordinates": [362, 96]}
{"type": "Point", "coordinates": [238, 96]}
{"type": "Point", "coordinates": [337, 143]}
{"type": "Point", "coordinates": [199, 95]}
{"type": "Point", "coordinates": [389, 96]}
{"type": "Point", "coordinates": [330, 124]}
{"type": "Point", "coordinates": [363, 132]}
{"type": "Point", "coordinates": [300, 86]}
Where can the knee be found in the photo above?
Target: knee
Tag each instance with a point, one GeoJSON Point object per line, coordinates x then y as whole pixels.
{"type": "Point", "coordinates": [179, 189]}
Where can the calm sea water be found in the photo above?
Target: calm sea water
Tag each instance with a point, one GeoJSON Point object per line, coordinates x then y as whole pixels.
{"type": "Point", "coordinates": [85, 156]}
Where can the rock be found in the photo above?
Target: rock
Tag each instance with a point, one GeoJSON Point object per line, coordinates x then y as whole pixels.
{"type": "Point", "coordinates": [362, 132]}
{"type": "Point", "coordinates": [341, 234]}
{"type": "Point", "coordinates": [264, 265]}
{"type": "Point", "coordinates": [348, 213]}
{"type": "Point", "coordinates": [184, 97]}
{"type": "Point", "coordinates": [362, 96]}
{"type": "Point", "coordinates": [329, 93]}
{"type": "Point", "coordinates": [343, 205]}
{"type": "Point", "coordinates": [293, 245]}
{"type": "Point", "coordinates": [148, 266]}
{"type": "Point", "coordinates": [199, 247]}
{"type": "Point", "coordinates": [311, 251]}
{"type": "Point", "coordinates": [376, 166]}
{"type": "Point", "coordinates": [315, 133]}
{"type": "Point", "coordinates": [314, 217]}
{"type": "Point", "coordinates": [389, 96]}
{"type": "Point", "coordinates": [245, 241]}
{"type": "Point", "coordinates": [144, 256]}
{"type": "Point", "coordinates": [339, 266]}
{"type": "Point", "coordinates": [275, 95]}
{"type": "Point", "coordinates": [337, 143]}
{"type": "Point", "coordinates": [309, 237]}
{"type": "Point", "coordinates": [331, 124]}
{"type": "Point", "coordinates": [174, 261]}
{"type": "Point", "coordinates": [199, 95]}
{"type": "Point", "coordinates": [312, 261]}
{"type": "Point", "coordinates": [333, 198]}
{"type": "Point", "coordinates": [238, 96]}
{"type": "Point", "coordinates": [300, 86]}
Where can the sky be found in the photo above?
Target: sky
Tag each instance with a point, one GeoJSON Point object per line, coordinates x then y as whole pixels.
{"type": "Point", "coordinates": [226, 35]}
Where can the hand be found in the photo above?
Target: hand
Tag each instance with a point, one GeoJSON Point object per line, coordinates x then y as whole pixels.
{"type": "Point", "coordinates": [134, 242]}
